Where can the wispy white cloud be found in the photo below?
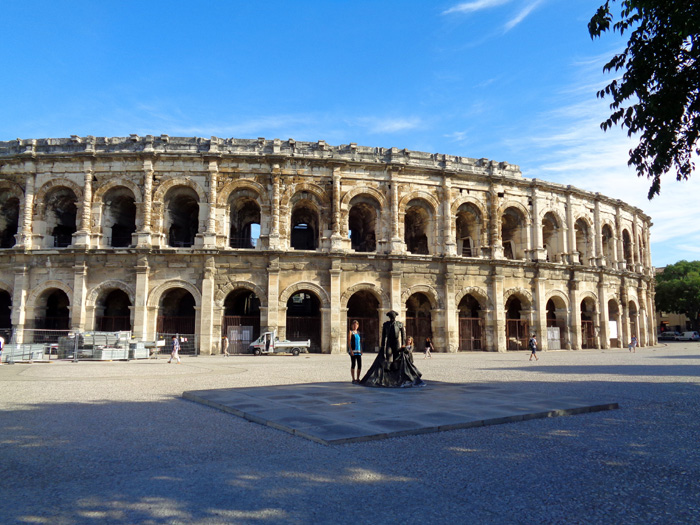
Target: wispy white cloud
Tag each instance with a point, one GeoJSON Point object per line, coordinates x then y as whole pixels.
{"type": "Point", "coordinates": [389, 125]}
{"type": "Point", "coordinates": [475, 5]}
{"type": "Point", "coordinates": [522, 15]}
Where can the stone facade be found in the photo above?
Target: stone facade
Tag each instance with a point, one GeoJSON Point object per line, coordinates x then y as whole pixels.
{"type": "Point", "coordinates": [196, 236]}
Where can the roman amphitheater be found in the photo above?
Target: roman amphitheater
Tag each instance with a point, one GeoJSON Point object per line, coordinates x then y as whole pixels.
{"type": "Point", "coordinates": [206, 237]}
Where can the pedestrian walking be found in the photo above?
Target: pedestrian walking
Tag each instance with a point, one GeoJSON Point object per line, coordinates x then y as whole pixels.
{"type": "Point", "coordinates": [224, 346]}
{"type": "Point", "coordinates": [633, 344]}
{"type": "Point", "coordinates": [532, 344]}
{"type": "Point", "coordinates": [428, 348]}
{"type": "Point", "coordinates": [355, 351]}
{"type": "Point", "coordinates": [2, 345]}
{"type": "Point", "coordinates": [175, 353]}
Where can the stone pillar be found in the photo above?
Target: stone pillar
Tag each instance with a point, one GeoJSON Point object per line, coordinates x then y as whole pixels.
{"type": "Point", "coordinates": [497, 323]}
{"type": "Point", "coordinates": [79, 296]}
{"type": "Point", "coordinates": [537, 246]}
{"type": "Point", "coordinates": [575, 318]}
{"type": "Point", "coordinates": [140, 307]}
{"type": "Point", "coordinates": [449, 241]}
{"type": "Point", "coordinates": [397, 243]}
{"type": "Point", "coordinates": [624, 313]}
{"type": "Point", "coordinates": [636, 246]}
{"type": "Point", "coordinates": [604, 317]}
{"type": "Point", "coordinates": [598, 227]}
{"type": "Point", "coordinates": [142, 237]}
{"type": "Point", "coordinates": [209, 237]}
{"type": "Point", "coordinates": [621, 262]}
{"type": "Point", "coordinates": [24, 234]}
{"type": "Point", "coordinates": [571, 230]}
{"type": "Point", "coordinates": [274, 242]}
{"type": "Point", "coordinates": [336, 237]}
{"type": "Point", "coordinates": [540, 310]}
{"type": "Point", "coordinates": [396, 277]}
{"type": "Point", "coordinates": [273, 284]}
{"type": "Point", "coordinates": [495, 228]}
{"type": "Point", "coordinates": [82, 236]}
{"type": "Point", "coordinates": [325, 331]}
{"type": "Point", "coordinates": [337, 330]}
{"type": "Point", "coordinates": [19, 302]}
{"type": "Point", "coordinates": [451, 315]}
{"type": "Point", "coordinates": [208, 343]}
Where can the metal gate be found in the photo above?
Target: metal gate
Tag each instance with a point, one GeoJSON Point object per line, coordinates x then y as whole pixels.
{"type": "Point", "coordinates": [303, 328]}
{"type": "Point", "coordinates": [517, 332]}
{"type": "Point", "coordinates": [556, 334]}
{"type": "Point", "coordinates": [369, 332]}
{"type": "Point", "coordinates": [419, 328]}
{"type": "Point", "coordinates": [471, 334]}
{"type": "Point", "coordinates": [240, 337]}
{"type": "Point", "coordinates": [587, 334]}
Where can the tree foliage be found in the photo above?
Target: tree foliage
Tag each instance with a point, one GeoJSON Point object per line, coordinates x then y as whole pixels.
{"type": "Point", "coordinates": [658, 95]}
{"type": "Point", "coordinates": [678, 289]}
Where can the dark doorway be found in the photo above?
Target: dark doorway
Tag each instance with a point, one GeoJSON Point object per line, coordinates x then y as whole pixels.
{"type": "Point", "coordinates": [304, 319]}
{"type": "Point", "coordinates": [471, 328]}
{"type": "Point", "coordinates": [363, 307]}
{"type": "Point", "coordinates": [241, 309]}
{"type": "Point", "coordinates": [419, 319]}
{"type": "Point", "coordinates": [113, 313]}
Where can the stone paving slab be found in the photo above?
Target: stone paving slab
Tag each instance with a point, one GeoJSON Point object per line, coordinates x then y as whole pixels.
{"type": "Point", "coordinates": [335, 413]}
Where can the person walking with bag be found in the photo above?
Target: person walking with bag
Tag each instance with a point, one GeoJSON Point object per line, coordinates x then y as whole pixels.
{"type": "Point", "coordinates": [532, 344]}
{"type": "Point", "coordinates": [175, 353]}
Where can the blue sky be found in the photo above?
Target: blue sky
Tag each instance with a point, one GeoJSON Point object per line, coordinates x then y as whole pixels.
{"type": "Point", "coordinates": [509, 80]}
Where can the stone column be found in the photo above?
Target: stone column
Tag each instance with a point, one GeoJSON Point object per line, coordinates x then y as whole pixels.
{"type": "Point", "coordinates": [636, 247]}
{"type": "Point", "coordinates": [451, 315]}
{"type": "Point", "coordinates": [336, 237]}
{"type": "Point", "coordinates": [621, 262]}
{"type": "Point", "coordinates": [79, 296]}
{"type": "Point", "coordinates": [497, 323]}
{"type": "Point", "coordinates": [24, 235]}
{"type": "Point", "coordinates": [325, 332]}
{"type": "Point", "coordinates": [575, 317]}
{"type": "Point", "coordinates": [208, 343]}
{"type": "Point", "coordinates": [397, 243]}
{"type": "Point", "coordinates": [604, 318]}
{"type": "Point", "coordinates": [537, 247]}
{"type": "Point", "coordinates": [273, 284]}
{"type": "Point", "coordinates": [396, 277]}
{"type": "Point", "coordinates": [82, 236]}
{"type": "Point", "coordinates": [140, 307]}
{"type": "Point", "coordinates": [495, 228]}
{"type": "Point", "coordinates": [19, 301]}
{"type": "Point", "coordinates": [540, 310]}
{"type": "Point", "coordinates": [598, 227]}
{"type": "Point", "coordinates": [571, 230]}
{"type": "Point", "coordinates": [142, 237]}
{"type": "Point", "coordinates": [274, 242]}
{"type": "Point", "coordinates": [624, 313]}
{"type": "Point", "coordinates": [449, 241]}
{"type": "Point", "coordinates": [209, 237]}
{"type": "Point", "coordinates": [336, 327]}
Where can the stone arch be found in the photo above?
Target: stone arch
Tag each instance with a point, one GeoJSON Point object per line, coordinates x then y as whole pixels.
{"type": "Point", "coordinates": [230, 286]}
{"type": "Point", "coordinates": [478, 293]}
{"type": "Point", "coordinates": [100, 192]}
{"type": "Point", "coordinates": [97, 291]}
{"type": "Point", "coordinates": [589, 295]}
{"type": "Point", "coordinates": [305, 285]}
{"type": "Point", "coordinates": [362, 190]}
{"type": "Point", "coordinates": [156, 293]}
{"type": "Point", "coordinates": [520, 293]}
{"type": "Point", "coordinates": [240, 184]}
{"type": "Point", "coordinates": [518, 206]}
{"type": "Point", "coordinates": [321, 195]}
{"type": "Point", "coordinates": [468, 199]}
{"type": "Point", "coordinates": [46, 188]}
{"type": "Point", "coordinates": [374, 289]}
{"type": "Point", "coordinates": [167, 185]}
{"type": "Point", "coordinates": [6, 287]}
{"type": "Point", "coordinates": [557, 294]}
{"type": "Point", "coordinates": [561, 220]}
{"type": "Point", "coordinates": [14, 189]}
{"type": "Point", "coordinates": [46, 285]}
{"type": "Point", "coordinates": [427, 290]}
{"type": "Point", "coordinates": [420, 195]}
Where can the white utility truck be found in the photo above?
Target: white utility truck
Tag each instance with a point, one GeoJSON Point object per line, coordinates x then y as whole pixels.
{"type": "Point", "coordinates": [268, 343]}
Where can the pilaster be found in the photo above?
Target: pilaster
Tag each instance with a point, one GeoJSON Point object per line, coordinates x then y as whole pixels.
{"type": "Point", "coordinates": [82, 236]}
{"type": "Point", "coordinates": [79, 295]}
{"type": "Point", "coordinates": [19, 301]}
{"type": "Point", "coordinates": [140, 307]}
{"type": "Point", "coordinates": [336, 329]}
{"type": "Point", "coordinates": [273, 284]}
{"type": "Point", "coordinates": [575, 317]}
{"type": "Point", "coordinates": [209, 237]}
{"type": "Point", "coordinates": [142, 237]}
{"type": "Point", "coordinates": [497, 323]}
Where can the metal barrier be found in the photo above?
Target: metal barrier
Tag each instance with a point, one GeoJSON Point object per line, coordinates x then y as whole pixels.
{"type": "Point", "coordinates": [189, 343]}
{"type": "Point", "coordinates": [40, 345]}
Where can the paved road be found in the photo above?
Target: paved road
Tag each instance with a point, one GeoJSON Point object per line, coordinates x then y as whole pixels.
{"type": "Point", "coordinates": [116, 443]}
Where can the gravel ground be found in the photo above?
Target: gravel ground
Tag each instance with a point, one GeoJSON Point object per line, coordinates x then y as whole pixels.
{"type": "Point", "coordinates": [115, 443]}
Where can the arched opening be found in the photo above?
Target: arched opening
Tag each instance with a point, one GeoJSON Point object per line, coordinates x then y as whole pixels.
{"type": "Point", "coordinates": [634, 325]}
{"type": "Point", "coordinates": [468, 230]}
{"type": "Point", "coordinates": [245, 223]}
{"type": "Point", "coordinates": [113, 312]}
{"type": "Point", "coordinates": [583, 241]}
{"type": "Point", "coordinates": [5, 315]}
{"type": "Point", "coordinates": [304, 319]}
{"type": "Point", "coordinates": [181, 216]}
{"type": "Point", "coordinates": [552, 238]}
{"type": "Point", "coordinates": [53, 311]}
{"type": "Point", "coordinates": [556, 324]}
{"type": "Point", "coordinates": [362, 224]}
{"type": "Point", "coordinates": [471, 325]}
{"type": "Point", "coordinates": [61, 216]}
{"type": "Point", "coordinates": [517, 326]}
{"type": "Point", "coordinates": [419, 318]}
{"type": "Point", "coordinates": [119, 217]}
{"type": "Point", "coordinates": [513, 234]}
{"type": "Point", "coordinates": [588, 323]}
{"type": "Point", "coordinates": [608, 245]}
{"type": "Point", "coordinates": [176, 315]}
{"type": "Point", "coordinates": [363, 307]}
{"type": "Point", "coordinates": [241, 322]}
{"type": "Point", "coordinates": [9, 219]}
{"type": "Point", "coordinates": [614, 324]}
{"type": "Point", "coordinates": [305, 226]}
{"type": "Point", "coordinates": [627, 249]}
{"type": "Point", "coordinates": [417, 225]}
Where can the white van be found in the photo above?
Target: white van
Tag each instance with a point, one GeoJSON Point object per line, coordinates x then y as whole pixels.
{"type": "Point", "coordinates": [689, 336]}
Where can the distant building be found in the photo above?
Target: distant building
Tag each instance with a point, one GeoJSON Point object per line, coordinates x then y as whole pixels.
{"type": "Point", "coordinates": [206, 237]}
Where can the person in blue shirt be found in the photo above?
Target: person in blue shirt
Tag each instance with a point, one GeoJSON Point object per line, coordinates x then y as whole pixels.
{"type": "Point", "coordinates": [355, 351]}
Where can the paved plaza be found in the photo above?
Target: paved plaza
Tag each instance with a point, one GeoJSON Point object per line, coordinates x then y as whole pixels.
{"type": "Point", "coordinates": [116, 442]}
